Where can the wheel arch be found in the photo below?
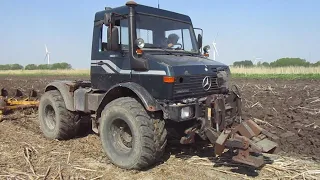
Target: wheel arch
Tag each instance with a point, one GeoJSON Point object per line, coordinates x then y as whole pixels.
{"type": "Point", "coordinates": [64, 90]}
{"type": "Point", "coordinates": [129, 89]}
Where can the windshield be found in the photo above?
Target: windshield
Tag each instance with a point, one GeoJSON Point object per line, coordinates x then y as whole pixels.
{"type": "Point", "coordinates": [161, 33]}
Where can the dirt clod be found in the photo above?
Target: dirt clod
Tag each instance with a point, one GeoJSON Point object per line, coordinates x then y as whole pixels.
{"type": "Point", "coordinates": [287, 134]}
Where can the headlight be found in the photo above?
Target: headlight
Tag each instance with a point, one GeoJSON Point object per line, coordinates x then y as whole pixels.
{"type": "Point", "coordinates": [206, 49]}
{"type": "Point", "coordinates": [186, 112]}
{"type": "Point", "coordinates": [140, 43]}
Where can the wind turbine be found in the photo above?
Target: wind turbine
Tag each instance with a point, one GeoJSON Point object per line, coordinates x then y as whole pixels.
{"type": "Point", "coordinates": [255, 60]}
{"type": "Point", "coordinates": [47, 54]}
{"type": "Point", "coordinates": [215, 50]}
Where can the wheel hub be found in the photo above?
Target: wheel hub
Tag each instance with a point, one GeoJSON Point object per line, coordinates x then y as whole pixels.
{"type": "Point", "coordinates": [122, 134]}
{"type": "Point", "coordinates": [50, 116]}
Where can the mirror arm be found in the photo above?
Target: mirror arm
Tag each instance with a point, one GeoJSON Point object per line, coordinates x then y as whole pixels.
{"type": "Point", "coordinates": [200, 42]}
{"type": "Point", "coordinates": [98, 23]}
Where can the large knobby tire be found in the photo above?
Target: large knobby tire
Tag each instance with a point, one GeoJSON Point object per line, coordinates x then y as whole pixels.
{"type": "Point", "coordinates": [130, 138]}
{"type": "Point", "coordinates": [56, 121]}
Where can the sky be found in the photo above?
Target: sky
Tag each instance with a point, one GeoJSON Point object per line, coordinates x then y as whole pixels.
{"type": "Point", "coordinates": [266, 29]}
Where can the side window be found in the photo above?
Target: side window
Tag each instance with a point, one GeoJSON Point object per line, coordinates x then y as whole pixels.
{"type": "Point", "coordinates": [104, 37]}
{"type": "Point", "coordinates": [198, 31]}
{"type": "Point", "coordinates": [146, 35]}
{"type": "Point", "coordinates": [124, 38]}
{"type": "Point", "coordinates": [187, 40]}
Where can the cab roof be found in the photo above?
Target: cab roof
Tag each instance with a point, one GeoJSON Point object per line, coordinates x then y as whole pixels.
{"type": "Point", "coordinates": [142, 9]}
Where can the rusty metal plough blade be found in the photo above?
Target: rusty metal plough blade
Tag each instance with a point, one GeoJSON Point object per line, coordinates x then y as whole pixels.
{"type": "Point", "coordinates": [225, 128]}
{"type": "Point", "coordinates": [246, 138]}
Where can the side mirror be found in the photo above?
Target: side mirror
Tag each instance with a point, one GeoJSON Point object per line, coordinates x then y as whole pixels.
{"type": "Point", "coordinates": [107, 18]}
{"type": "Point", "coordinates": [199, 41]}
{"type": "Point", "coordinates": [113, 39]}
{"type": "Point", "coordinates": [139, 64]}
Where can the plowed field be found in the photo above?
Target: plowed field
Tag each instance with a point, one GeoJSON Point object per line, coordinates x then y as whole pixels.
{"type": "Point", "coordinates": [288, 108]}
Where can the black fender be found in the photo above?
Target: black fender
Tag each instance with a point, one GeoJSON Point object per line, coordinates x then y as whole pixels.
{"type": "Point", "coordinates": [129, 89]}
{"type": "Point", "coordinates": [64, 88]}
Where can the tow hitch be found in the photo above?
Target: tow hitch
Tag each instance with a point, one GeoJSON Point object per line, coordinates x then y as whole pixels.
{"type": "Point", "coordinates": [224, 127]}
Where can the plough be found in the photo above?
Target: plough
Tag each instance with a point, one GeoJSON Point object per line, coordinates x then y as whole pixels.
{"type": "Point", "coordinates": [18, 101]}
{"type": "Point", "coordinates": [225, 128]}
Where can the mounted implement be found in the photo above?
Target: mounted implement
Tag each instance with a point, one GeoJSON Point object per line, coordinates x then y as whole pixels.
{"type": "Point", "coordinates": [224, 127]}
{"type": "Point", "coordinates": [18, 101]}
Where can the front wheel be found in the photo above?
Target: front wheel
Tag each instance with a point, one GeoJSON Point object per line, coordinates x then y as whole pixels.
{"type": "Point", "coordinates": [130, 138]}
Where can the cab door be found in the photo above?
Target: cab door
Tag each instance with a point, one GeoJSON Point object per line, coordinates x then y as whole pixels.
{"type": "Point", "coordinates": [110, 62]}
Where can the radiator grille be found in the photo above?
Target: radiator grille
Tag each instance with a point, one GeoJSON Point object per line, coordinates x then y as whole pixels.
{"type": "Point", "coordinates": [192, 87]}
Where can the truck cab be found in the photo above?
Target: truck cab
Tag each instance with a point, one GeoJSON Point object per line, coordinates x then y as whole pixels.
{"type": "Point", "coordinates": [132, 43]}
{"type": "Point", "coordinates": [134, 46]}
{"type": "Point", "coordinates": [151, 81]}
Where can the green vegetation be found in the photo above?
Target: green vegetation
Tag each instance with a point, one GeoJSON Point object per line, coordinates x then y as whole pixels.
{"type": "Point", "coordinates": [245, 63]}
{"type": "Point", "coordinates": [276, 76]}
{"type": "Point", "coordinates": [54, 66]}
{"type": "Point", "coordinates": [284, 68]}
{"type": "Point", "coordinates": [237, 72]}
{"type": "Point", "coordinates": [282, 62]}
{"type": "Point", "coordinates": [11, 67]}
{"type": "Point", "coordinates": [66, 72]}
{"type": "Point", "coordinates": [290, 72]}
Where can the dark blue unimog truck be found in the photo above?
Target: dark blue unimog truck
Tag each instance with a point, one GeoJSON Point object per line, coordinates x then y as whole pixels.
{"type": "Point", "coordinates": [151, 82]}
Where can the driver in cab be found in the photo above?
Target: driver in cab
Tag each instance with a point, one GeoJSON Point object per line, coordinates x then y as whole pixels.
{"type": "Point", "coordinates": [171, 40]}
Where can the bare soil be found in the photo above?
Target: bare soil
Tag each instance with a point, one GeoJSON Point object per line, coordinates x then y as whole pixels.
{"type": "Point", "coordinates": [288, 108]}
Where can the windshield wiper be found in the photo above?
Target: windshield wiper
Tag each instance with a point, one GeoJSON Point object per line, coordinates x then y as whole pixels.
{"type": "Point", "coordinates": [183, 52]}
{"type": "Point", "coordinates": [158, 47]}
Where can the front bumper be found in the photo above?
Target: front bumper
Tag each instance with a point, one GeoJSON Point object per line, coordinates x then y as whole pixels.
{"type": "Point", "coordinates": [173, 111]}
{"type": "Point", "coordinates": [225, 103]}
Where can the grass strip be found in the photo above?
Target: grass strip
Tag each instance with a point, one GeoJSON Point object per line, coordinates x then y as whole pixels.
{"type": "Point", "coordinates": [276, 76]}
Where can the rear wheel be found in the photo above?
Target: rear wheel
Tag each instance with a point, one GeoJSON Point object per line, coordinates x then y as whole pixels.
{"type": "Point", "coordinates": [56, 121]}
{"type": "Point", "coordinates": [130, 138]}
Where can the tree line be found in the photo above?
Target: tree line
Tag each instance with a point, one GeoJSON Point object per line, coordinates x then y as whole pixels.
{"type": "Point", "coordinates": [54, 66]}
{"type": "Point", "coordinates": [282, 62]}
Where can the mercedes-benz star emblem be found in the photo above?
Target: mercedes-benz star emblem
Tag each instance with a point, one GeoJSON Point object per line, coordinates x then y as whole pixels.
{"type": "Point", "coordinates": [206, 83]}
